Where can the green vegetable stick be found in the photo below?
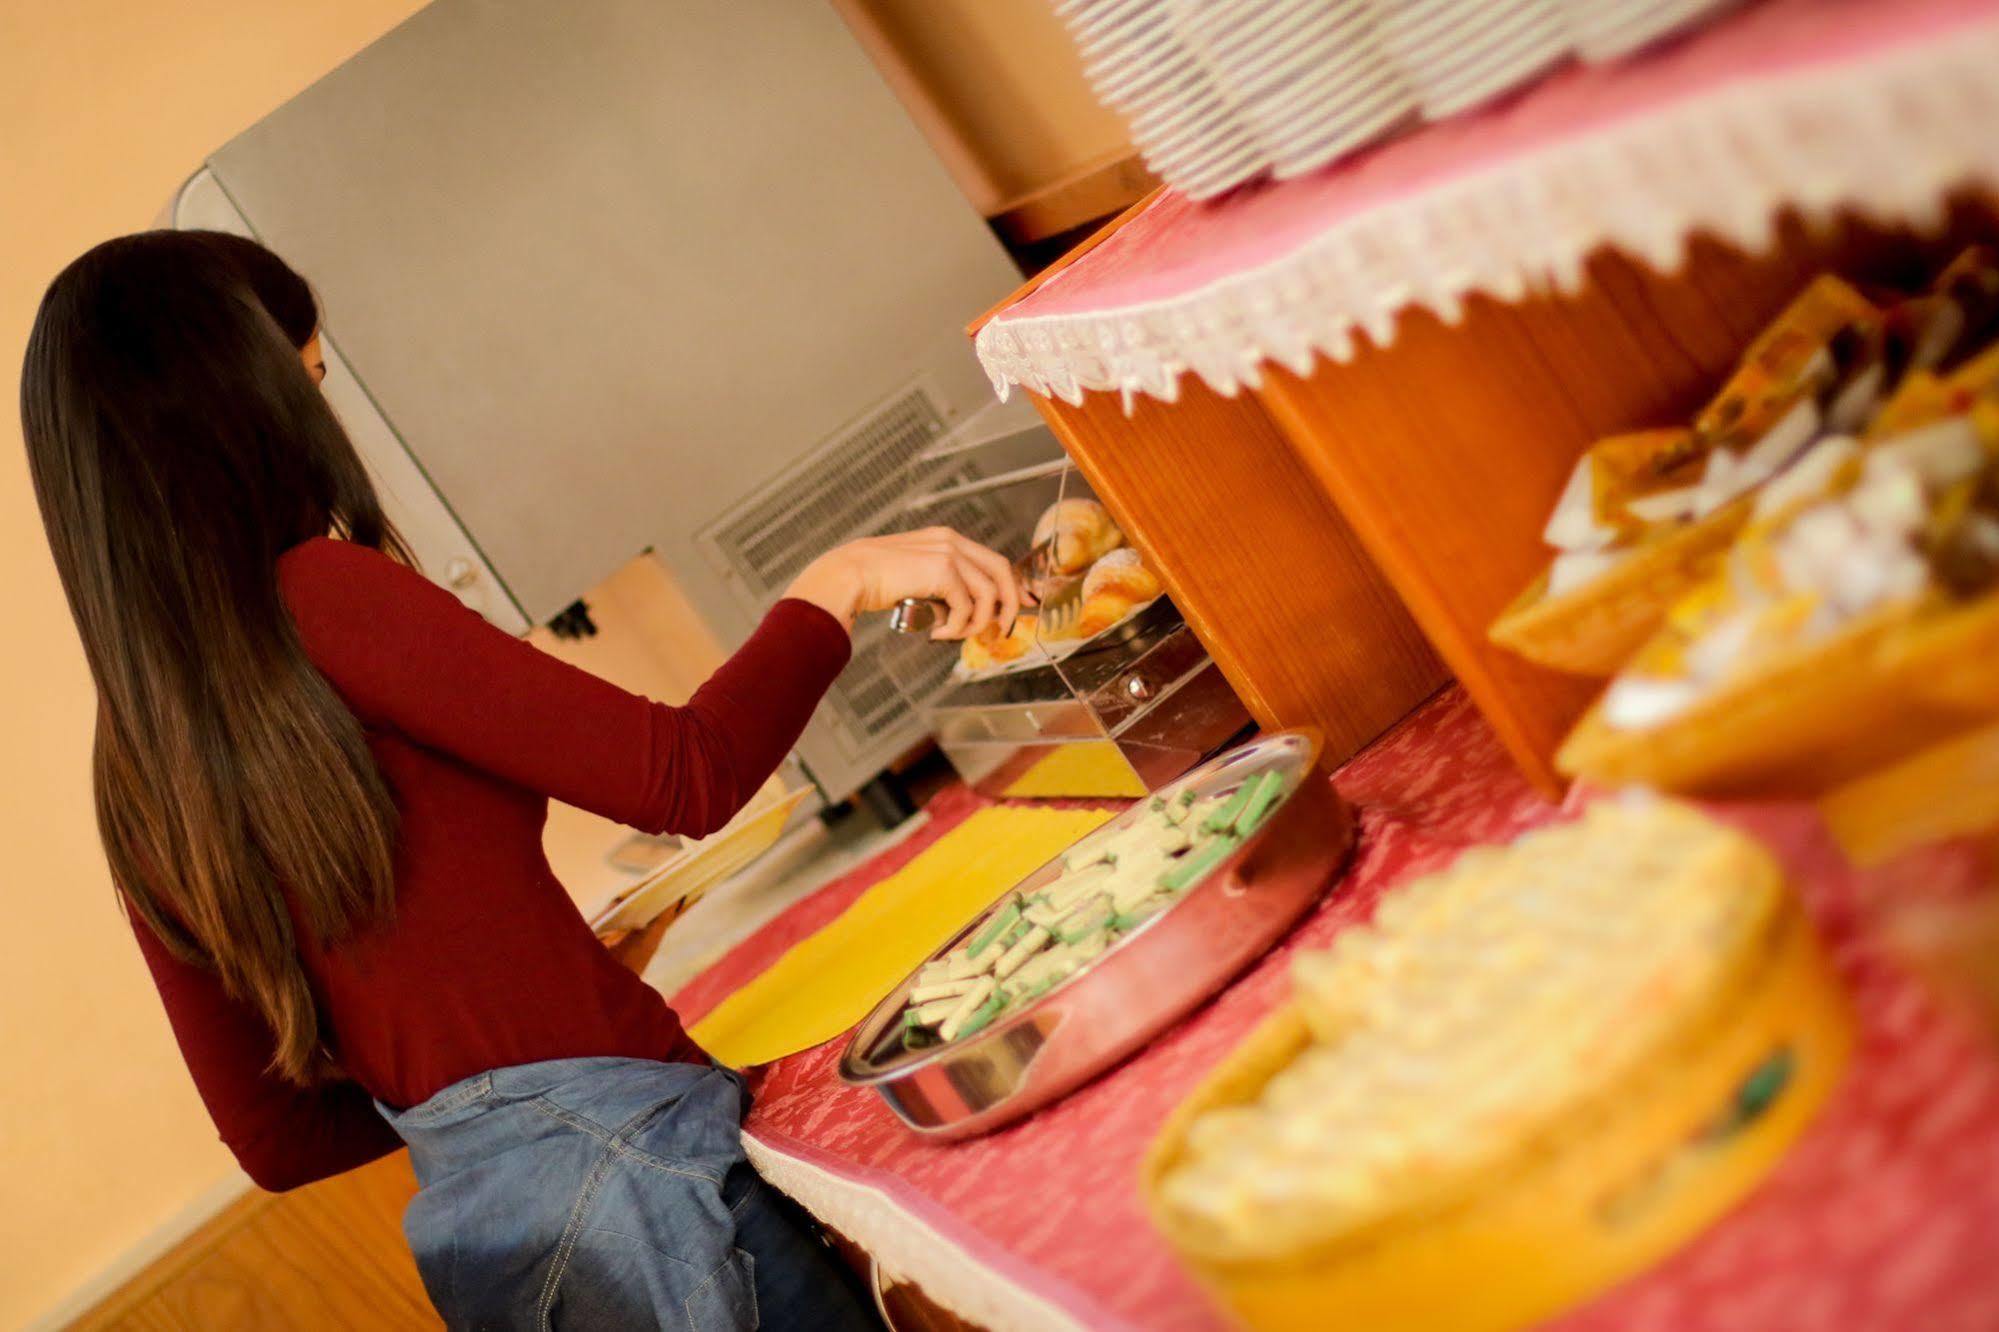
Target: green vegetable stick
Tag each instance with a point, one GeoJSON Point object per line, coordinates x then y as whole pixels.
{"type": "Point", "coordinates": [1197, 864]}
{"type": "Point", "coordinates": [1269, 791]}
{"type": "Point", "coordinates": [981, 1015]}
{"type": "Point", "coordinates": [995, 927]}
{"type": "Point", "coordinates": [1224, 818]}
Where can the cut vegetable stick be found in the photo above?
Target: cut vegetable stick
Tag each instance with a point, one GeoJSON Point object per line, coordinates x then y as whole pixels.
{"type": "Point", "coordinates": [1071, 890]}
{"type": "Point", "coordinates": [1224, 818]}
{"type": "Point", "coordinates": [1085, 949]}
{"type": "Point", "coordinates": [1130, 892]}
{"type": "Point", "coordinates": [1029, 944]}
{"type": "Point", "coordinates": [948, 989]}
{"type": "Point", "coordinates": [990, 932]}
{"type": "Point", "coordinates": [1036, 968]}
{"type": "Point", "coordinates": [967, 1006]}
{"type": "Point", "coordinates": [1197, 864]}
{"type": "Point", "coordinates": [934, 1012]}
{"type": "Point", "coordinates": [1087, 919]}
{"type": "Point", "coordinates": [985, 1013]}
{"type": "Point", "coordinates": [1145, 910]}
{"type": "Point", "coordinates": [1259, 807]}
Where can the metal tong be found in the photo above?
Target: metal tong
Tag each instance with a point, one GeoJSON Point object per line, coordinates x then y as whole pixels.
{"type": "Point", "coordinates": [1059, 596]}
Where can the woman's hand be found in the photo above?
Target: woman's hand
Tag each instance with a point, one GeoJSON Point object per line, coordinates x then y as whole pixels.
{"type": "Point", "coordinates": [874, 573]}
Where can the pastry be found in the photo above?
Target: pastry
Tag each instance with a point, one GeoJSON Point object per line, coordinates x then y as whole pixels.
{"type": "Point", "coordinates": [1842, 633]}
{"type": "Point", "coordinates": [1079, 532]}
{"type": "Point", "coordinates": [1476, 1009]}
{"type": "Point", "coordinates": [1116, 585]}
{"type": "Point", "coordinates": [1121, 573]}
{"type": "Point", "coordinates": [1829, 335]}
{"type": "Point", "coordinates": [989, 648]}
{"type": "Point", "coordinates": [1632, 534]}
{"type": "Point", "coordinates": [1646, 516]}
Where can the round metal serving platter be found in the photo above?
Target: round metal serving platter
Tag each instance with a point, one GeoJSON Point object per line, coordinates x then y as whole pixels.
{"type": "Point", "coordinates": [1148, 979]}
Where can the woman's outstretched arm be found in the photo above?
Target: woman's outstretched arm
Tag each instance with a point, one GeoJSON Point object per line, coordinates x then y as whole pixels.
{"type": "Point", "coordinates": [406, 655]}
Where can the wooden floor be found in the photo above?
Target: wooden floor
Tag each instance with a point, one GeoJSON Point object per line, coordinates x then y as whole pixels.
{"type": "Point", "coordinates": [330, 1255]}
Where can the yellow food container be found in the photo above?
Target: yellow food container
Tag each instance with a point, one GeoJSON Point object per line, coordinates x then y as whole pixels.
{"type": "Point", "coordinates": [1607, 1186]}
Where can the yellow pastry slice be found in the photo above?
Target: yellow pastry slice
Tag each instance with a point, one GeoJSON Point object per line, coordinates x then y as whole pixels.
{"type": "Point", "coordinates": [1850, 634]}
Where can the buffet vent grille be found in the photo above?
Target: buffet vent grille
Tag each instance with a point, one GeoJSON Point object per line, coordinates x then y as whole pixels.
{"type": "Point", "coordinates": [852, 486]}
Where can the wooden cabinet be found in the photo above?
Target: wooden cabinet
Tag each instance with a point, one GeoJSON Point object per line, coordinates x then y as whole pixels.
{"type": "Point", "coordinates": [1283, 519]}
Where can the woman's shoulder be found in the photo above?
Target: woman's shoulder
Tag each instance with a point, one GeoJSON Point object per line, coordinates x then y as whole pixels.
{"type": "Point", "coordinates": [326, 579]}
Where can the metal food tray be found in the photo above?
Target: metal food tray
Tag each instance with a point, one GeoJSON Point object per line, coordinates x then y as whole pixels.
{"type": "Point", "coordinates": [1150, 977]}
{"type": "Point", "coordinates": [1144, 696]}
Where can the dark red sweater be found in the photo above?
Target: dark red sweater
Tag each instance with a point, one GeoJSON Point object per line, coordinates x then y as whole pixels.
{"type": "Point", "coordinates": [487, 963]}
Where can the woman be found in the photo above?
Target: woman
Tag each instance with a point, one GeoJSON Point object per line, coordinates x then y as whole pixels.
{"type": "Point", "coordinates": [321, 784]}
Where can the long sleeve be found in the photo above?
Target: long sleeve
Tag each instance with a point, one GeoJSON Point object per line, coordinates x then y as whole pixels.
{"type": "Point", "coordinates": [405, 654]}
{"type": "Point", "coordinates": [281, 1134]}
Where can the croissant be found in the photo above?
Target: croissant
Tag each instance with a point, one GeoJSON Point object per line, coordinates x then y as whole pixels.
{"type": "Point", "coordinates": [989, 647]}
{"type": "Point", "coordinates": [1082, 532]}
{"type": "Point", "coordinates": [1121, 573]}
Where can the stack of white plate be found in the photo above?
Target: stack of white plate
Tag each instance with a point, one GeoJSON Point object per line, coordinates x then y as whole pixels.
{"type": "Point", "coordinates": [1459, 53]}
{"type": "Point", "coordinates": [1137, 58]}
{"type": "Point", "coordinates": [1305, 76]}
{"type": "Point", "coordinates": [1221, 92]}
{"type": "Point", "coordinates": [1607, 29]}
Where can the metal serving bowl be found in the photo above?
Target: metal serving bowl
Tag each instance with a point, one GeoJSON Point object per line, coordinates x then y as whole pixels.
{"type": "Point", "coordinates": [1148, 980]}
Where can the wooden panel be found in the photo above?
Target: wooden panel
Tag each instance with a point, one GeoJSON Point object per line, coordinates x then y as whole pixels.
{"type": "Point", "coordinates": [1447, 448]}
{"type": "Point", "coordinates": [1272, 580]}
{"type": "Point", "coordinates": [998, 89]}
{"type": "Point", "coordinates": [330, 1255]}
{"type": "Point", "coordinates": [1085, 195]}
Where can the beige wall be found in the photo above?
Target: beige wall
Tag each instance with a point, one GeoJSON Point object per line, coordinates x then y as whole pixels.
{"type": "Point", "coordinates": [104, 106]}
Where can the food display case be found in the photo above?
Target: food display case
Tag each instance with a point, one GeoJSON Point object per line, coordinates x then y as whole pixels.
{"type": "Point", "coordinates": [1060, 711]}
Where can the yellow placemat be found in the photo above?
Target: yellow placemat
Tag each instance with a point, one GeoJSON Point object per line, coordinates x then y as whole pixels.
{"type": "Point", "coordinates": [1087, 769]}
{"type": "Point", "coordinates": [828, 982]}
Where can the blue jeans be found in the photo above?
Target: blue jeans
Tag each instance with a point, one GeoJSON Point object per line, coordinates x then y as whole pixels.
{"type": "Point", "coordinates": [608, 1193]}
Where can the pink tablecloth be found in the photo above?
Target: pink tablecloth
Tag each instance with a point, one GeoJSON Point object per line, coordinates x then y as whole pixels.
{"type": "Point", "coordinates": [1884, 1217]}
{"type": "Point", "coordinates": [1877, 105]}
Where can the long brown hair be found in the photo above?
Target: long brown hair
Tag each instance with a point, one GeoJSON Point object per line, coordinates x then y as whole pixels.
{"type": "Point", "coordinates": [178, 448]}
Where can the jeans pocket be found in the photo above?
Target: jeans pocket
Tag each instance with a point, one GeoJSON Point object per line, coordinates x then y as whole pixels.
{"type": "Point", "coordinates": [727, 1298]}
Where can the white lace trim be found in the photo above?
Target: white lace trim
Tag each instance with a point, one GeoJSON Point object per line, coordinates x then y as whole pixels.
{"type": "Point", "coordinates": [908, 1248]}
{"type": "Point", "coordinates": [1888, 137]}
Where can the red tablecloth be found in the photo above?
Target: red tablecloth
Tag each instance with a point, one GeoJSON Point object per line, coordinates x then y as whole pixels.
{"type": "Point", "coordinates": [1886, 1216]}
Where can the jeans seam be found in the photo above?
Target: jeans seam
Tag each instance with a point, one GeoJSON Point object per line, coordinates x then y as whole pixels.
{"type": "Point", "coordinates": [450, 1101]}
{"type": "Point", "coordinates": [750, 1285]}
{"type": "Point", "coordinates": [567, 1245]}
{"type": "Point", "coordinates": [748, 1260]}
{"type": "Point", "coordinates": [645, 1244]}
{"type": "Point", "coordinates": [615, 1143]}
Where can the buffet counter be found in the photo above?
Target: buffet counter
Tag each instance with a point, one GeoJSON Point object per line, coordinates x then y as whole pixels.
{"type": "Point", "coordinates": [1879, 1217]}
